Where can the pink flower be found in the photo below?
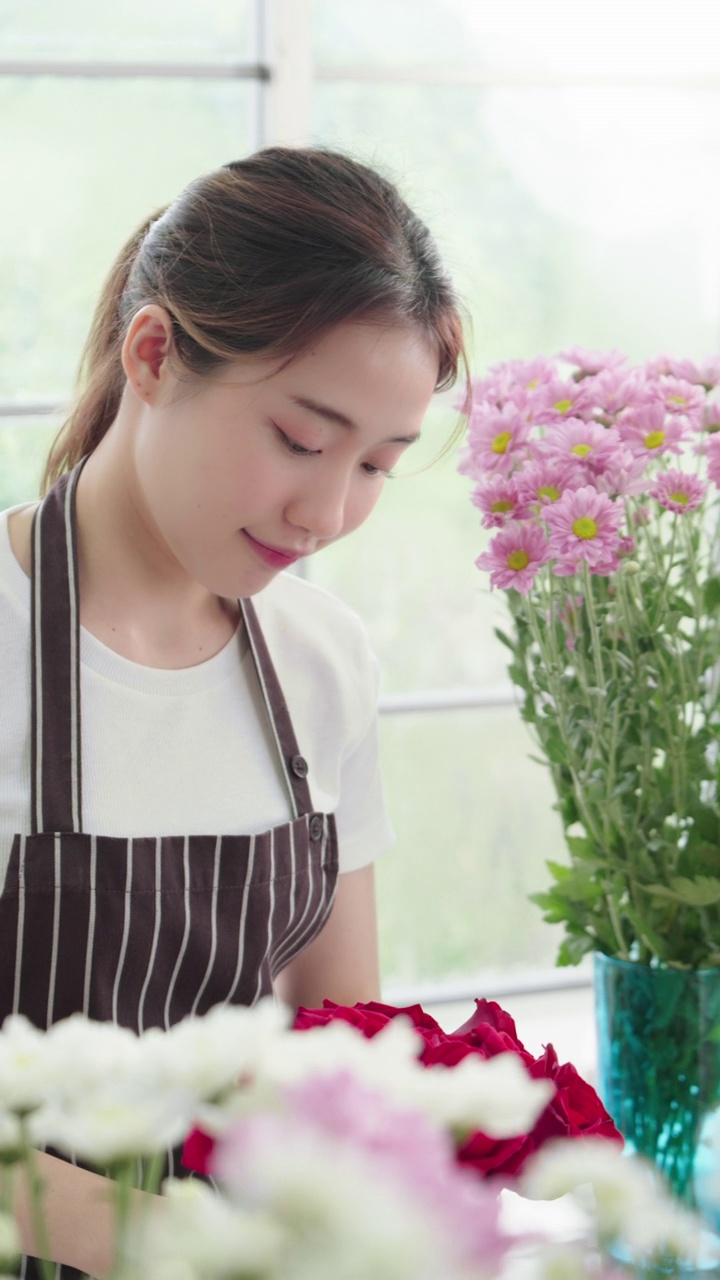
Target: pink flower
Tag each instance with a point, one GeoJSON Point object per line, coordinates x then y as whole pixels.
{"type": "Point", "coordinates": [584, 525]}
{"type": "Point", "coordinates": [557, 400]}
{"type": "Point", "coordinates": [614, 390]}
{"type": "Point", "coordinates": [497, 438]}
{"type": "Point", "coordinates": [544, 481]}
{"type": "Point", "coordinates": [511, 379]}
{"type": "Point", "coordinates": [624, 476]}
{"type": "Point", "coordinates": [592, 361]}
{"type": "Point", "coordinates": [583, 443]}
{"type": "Point", "coordinates": [705, 374]}
{"type": "Point", "coordinates": [677, 491]}
{"type": "Point", "coordinates": [649, 430]}
{"type": "Point", "coordinates": [514, 557]}
{"type": "Point", "coordinates": [680, 396]}
{"type": "Point", "coordinates": [498, 498]}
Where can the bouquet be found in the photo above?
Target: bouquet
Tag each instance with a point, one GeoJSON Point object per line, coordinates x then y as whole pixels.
{"type": "Point", "coordinates": [334, 1151]}
{"type": "Point", "coordinates": [599, 481]}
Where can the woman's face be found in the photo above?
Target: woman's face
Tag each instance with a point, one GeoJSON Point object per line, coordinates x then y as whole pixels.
{"type": "Point", "coordinates": [238, 478]}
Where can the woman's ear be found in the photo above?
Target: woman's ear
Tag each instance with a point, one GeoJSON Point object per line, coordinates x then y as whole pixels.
{"type": "Point", "coordinates": [145, 352]}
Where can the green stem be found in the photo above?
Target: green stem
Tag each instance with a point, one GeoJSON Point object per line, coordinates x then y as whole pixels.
{"type": "Point", "coordinates": [124, 1186]}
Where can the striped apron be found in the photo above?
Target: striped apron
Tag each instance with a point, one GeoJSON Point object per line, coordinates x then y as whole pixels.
{"type": "Point", "coordinates": [146, 930]}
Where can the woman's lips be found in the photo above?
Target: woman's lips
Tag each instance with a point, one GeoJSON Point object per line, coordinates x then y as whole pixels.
{"type": "Point", "coordinates": [275, 556]}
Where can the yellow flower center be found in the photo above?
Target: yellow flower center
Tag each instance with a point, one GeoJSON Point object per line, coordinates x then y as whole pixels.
{"type": "Point", "coordinates": [548, 491]}
{"type": "Point", "coordinates": [681, 499]}
{"type": "Point", "coordinates": [501, 442]}
{"type": "Point", "coordinates": [582, 450]}
{"type": "Point", "coordinates": [562, 406]}
{"type": "Point", "coordinates": [654, 439]}
{"type": "Point", "coordinates": [518, 560]}
{"type": "Point", "coordinates": [678, 399]}
{"type": "Point", "coordinates": [501, 506]}
{"type": "Point", "coordinates": [585, 527]}
{"type": "Point", "coordinates": [531, 384]}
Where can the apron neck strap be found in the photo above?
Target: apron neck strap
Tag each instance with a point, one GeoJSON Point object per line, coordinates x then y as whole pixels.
{"type": "Point", "coordinates": [56, 795]}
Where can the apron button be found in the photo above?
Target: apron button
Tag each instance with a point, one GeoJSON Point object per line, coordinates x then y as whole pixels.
{"type": "Point", "coordinates": [299, 766]}
{"type": "Point", "coordinates": [317, 827]}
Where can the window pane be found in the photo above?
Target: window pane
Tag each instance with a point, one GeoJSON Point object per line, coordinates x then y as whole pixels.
{"type": "Point", "coordinates": [475, 824]}
{"type": "Point", "coordinates": [520, 35]}
{"type": "Point", "coordinates": [555, 207]}
{"type": "Point", "coordinates": [134, 30]}
{"type": "Point", "coordinates": [90, 160]}
{"type": "Point", "coordinates": [24, 443]}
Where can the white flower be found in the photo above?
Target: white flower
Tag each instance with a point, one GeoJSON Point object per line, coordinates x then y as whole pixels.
{"type": "Point", "coordinates": [630, 1200]}
{"type": "Point", "coordinates": [208, 1055]}
{"type": "Point", "coordinates": [496, 1096]}
{"type": "Point", "coordinates": [26, 1070]}
{"type": "Point", "coordinates": [194, 1234]}
{"type": "Point", "coordinates": [115, 1122]}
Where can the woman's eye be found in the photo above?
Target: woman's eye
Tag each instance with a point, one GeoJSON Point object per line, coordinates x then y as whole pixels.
{"type": "Point", "coordinates": [295, 447]}
{"type": "Point", "coordinates": [372, 470]}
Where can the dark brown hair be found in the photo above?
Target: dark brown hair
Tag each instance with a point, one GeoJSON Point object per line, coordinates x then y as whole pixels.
{"type": "Point", "coordinates": [262, 256]}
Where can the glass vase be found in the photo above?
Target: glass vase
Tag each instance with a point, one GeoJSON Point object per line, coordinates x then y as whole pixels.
{"type": "Point", "coordinates": [659, 1065]}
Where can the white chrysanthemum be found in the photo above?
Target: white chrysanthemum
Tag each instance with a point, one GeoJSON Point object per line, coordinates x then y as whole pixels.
{"type": "Point", "coordinates": [496, 1096]}
{"type": "Point", "coordinates": [208, 1055]}
{"type": "Point", "coordinates": [629, 1199]}
{"type": "Point", "coordinates": [197, 1235]}
{"type": "Point", "coordinates": [115, 1123]}
{"type": "Point", "coordinates": [27, 1070]}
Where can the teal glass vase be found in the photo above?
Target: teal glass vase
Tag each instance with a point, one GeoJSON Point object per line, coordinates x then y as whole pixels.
{"type": "Point", "coordinates": [659, 1064]}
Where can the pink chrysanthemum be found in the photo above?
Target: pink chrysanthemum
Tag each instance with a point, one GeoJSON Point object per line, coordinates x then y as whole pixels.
{"type": "Point", "coordinates": [497, 438]}
{"type": "Point", "coordinates": [514, 557]}
{"type": "Point", "coordinates": [512, 378]}
{"type": "Point", "coordinates": [592, 361]}
{"type": "Point", "coordinates": [585, 525]}
{"type": "Point", "coordinates": [544, 481]}
{"type": "Point", "coordinates": [705, 374]}
{"type": "Point", "coordinates": [677, 491]}
{"type": "Point", "coordinates": [557, 401]}
{"type": "Point", "coordinates": [711, 416]}
{"type": "Point", "coordinates": [583, 443]}
{"type": "Point", "coordinates": [614, 390]}
{"type": "Point", "coordinates": [624, 476]}
{"type": "Point", "coordinates": [650, 430]}
{"type": "Point", "coordinates": [681, 397]}
{"type": "Point", "coordinates": [498, 499]}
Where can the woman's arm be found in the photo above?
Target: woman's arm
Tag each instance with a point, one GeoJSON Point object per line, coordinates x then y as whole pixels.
{"type": "Point", "coordinates": [341, 963]}
{"type": "Point", "coordinates": [79, 1214]}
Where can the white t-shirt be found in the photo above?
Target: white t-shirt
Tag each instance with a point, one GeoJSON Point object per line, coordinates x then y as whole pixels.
{"type": "Point", "coordinates": [191, 751]}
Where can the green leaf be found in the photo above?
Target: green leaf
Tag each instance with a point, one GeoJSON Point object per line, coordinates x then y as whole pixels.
{"type": "Point", "coordinates": [703, 891]}
{"type": "Point", "coordinates": [505, 639]}
{"type": "Point", "coordinates": [711, 595]}
{"type": "Point", "coordinates": [573, 949]}
{"type": "Point", "coordinates": [700, 892]}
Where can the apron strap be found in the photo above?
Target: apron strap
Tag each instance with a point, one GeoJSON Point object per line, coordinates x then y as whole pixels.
{"type": "Point", "coordinates": [294, 765]}
{"type": "Point", "coordinates": [56, 791]}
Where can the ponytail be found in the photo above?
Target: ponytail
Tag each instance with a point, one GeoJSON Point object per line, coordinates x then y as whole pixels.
{"type": "Point", "coordinates": [100, 379]}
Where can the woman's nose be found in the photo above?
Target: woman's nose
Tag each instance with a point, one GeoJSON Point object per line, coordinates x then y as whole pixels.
{"type": "Point", "coordinates": [320, 508]}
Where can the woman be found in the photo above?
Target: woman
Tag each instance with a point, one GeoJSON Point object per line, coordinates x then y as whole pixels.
{"type": "Point", "coordinates": [189, 793]}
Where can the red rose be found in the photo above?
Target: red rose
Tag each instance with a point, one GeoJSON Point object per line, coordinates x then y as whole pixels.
{"type": "Point", "coordinates": [575, 1109]}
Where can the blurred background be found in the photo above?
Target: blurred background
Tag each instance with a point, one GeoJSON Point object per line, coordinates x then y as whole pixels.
{"type": "Point", "coordinates": [567, 158]}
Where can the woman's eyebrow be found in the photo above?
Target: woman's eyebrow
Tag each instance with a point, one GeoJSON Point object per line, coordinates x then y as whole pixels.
{"type": "Point", "coordinates": [341, 419]}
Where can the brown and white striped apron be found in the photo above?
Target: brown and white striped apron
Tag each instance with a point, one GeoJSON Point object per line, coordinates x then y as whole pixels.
{"type": "Point", "coordinates": [146, 930]}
